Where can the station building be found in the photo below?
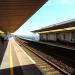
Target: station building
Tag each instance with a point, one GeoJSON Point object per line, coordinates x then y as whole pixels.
{"type": "Point", "coordinates": [64, 31]}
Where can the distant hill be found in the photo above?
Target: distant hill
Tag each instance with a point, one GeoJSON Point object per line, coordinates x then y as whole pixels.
{"type": "Point", "coordinates": [29, 37]}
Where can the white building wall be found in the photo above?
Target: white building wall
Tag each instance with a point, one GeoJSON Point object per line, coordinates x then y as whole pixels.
{"type": "Point", "coordinates": [52, 36]}
{"type": "Point", "coordinates": [73, 36]}
{"type": "Point", "coordinates": [62, 36]}
{"type": "Point", "coordinates": [68, 36]}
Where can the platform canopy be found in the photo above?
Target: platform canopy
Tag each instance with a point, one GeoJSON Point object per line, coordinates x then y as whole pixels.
{"type": "Point", "coordinates": [13, 13]}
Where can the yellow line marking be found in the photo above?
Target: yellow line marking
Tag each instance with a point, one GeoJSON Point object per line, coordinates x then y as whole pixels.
{"type": "Point", "coordinates": [11, 61]}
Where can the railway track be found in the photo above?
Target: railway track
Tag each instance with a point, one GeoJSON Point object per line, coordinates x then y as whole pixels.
{"type": "Point", "coordinates": [43, 64]}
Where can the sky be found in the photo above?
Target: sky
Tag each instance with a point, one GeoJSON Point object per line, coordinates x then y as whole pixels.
{"type": "Point", "coordinates": [52, 12]}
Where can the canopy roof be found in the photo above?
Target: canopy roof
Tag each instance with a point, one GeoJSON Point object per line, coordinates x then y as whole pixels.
{"type": "Point", "coordinates": [63, 26]}
{"type": "Point", "coordinates": [13, 13]}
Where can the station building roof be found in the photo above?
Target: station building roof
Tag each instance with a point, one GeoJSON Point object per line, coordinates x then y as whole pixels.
{"type": "Point", "coordinates": [63, 26]}
{"type": "Point", "coordinates": [13, 13]}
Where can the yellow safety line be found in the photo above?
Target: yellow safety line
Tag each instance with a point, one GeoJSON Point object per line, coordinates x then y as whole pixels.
{"type": "Point", "coordinates": [11, 61]}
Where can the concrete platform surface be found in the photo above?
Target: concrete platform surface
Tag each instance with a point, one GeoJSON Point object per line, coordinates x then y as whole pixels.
{"type": "Point", "coordinates": [17, 62]}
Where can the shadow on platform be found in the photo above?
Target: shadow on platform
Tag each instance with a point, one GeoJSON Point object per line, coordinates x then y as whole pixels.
{"type": "Point", "coordinates": [22, 70]}
{"type": "Point", "coordinates": [3, 47]}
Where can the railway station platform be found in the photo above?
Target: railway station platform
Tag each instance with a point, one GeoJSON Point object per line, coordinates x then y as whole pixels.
{"type": "Point", "coordinates": [17, 57]}
{"type": "Point", "coordinates": [15, 61]}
